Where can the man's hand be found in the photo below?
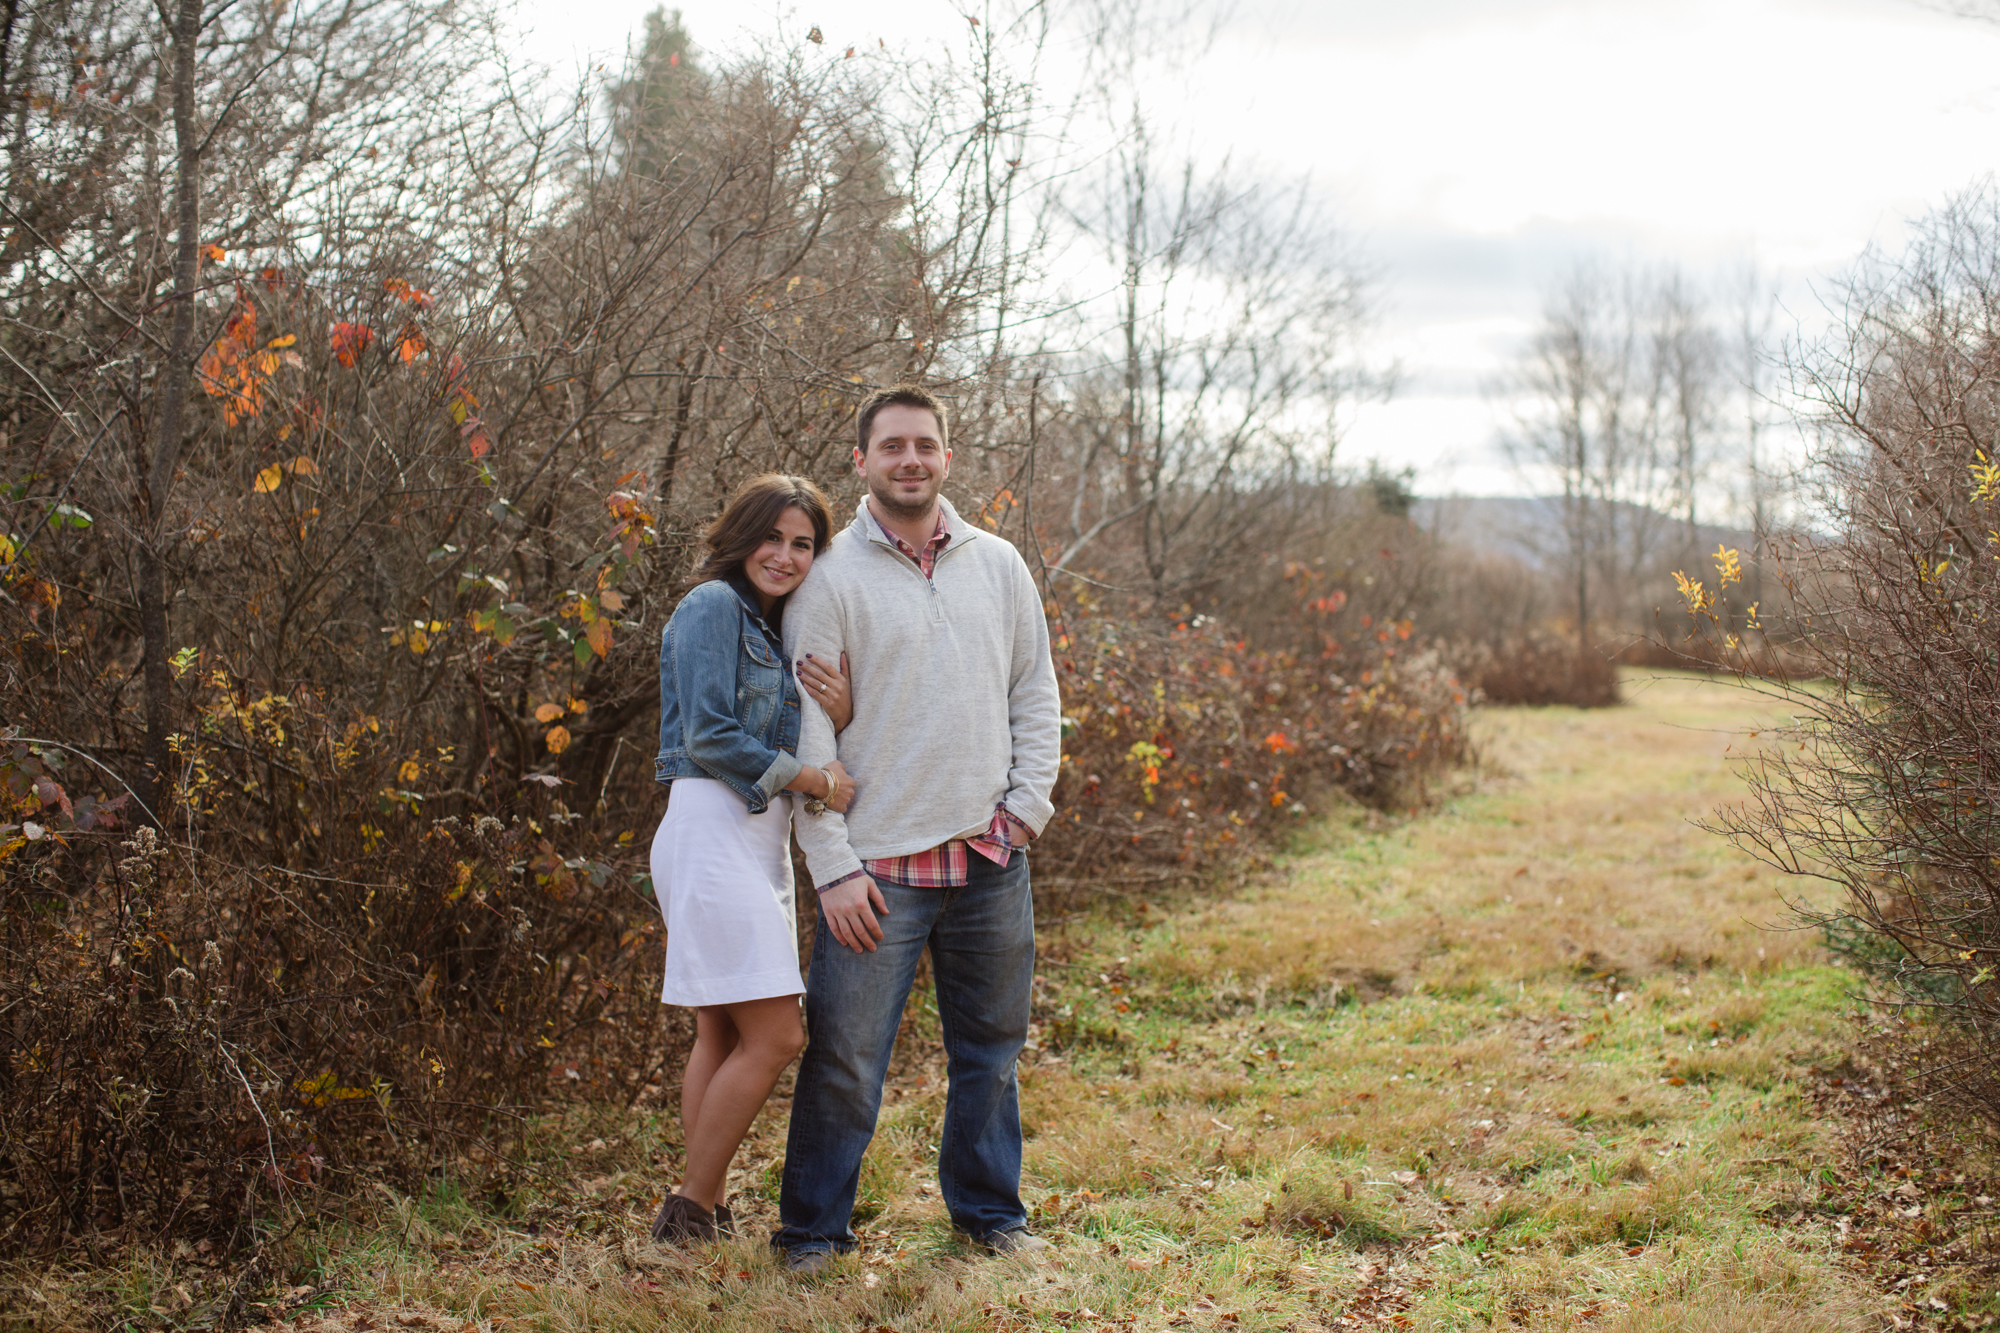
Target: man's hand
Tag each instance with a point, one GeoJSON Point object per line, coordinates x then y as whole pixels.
{"type": "Point", "coordinates": [846, 906]}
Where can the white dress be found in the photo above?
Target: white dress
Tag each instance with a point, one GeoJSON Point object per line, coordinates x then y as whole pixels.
{"type": "Point", "coordinates": [723, 878]}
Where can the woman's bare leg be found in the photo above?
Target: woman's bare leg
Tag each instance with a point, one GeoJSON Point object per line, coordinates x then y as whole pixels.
{"type": "Point", "coordinates": [768, 1037]}
{"type": "Point", "coordinates": [714, 1038]}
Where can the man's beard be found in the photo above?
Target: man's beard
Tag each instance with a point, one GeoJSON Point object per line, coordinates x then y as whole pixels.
{"type": "Point", "coordinates": [902, 508]}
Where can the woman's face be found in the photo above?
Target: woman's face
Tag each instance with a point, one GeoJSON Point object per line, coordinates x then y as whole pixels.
{"type": "Point", "coordinates": [780, 564]}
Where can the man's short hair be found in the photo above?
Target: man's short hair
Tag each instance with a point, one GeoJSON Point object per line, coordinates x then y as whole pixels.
{"type": "Point", "coordinates": [900, 395]}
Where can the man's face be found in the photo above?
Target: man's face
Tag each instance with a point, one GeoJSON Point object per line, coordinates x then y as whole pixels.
{"type": "Point", "coordinates": [906, 463]}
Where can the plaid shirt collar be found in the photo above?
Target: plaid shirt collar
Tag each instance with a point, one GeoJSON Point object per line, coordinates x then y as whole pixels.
{"type": "Point", "coordinates": [927, 558]}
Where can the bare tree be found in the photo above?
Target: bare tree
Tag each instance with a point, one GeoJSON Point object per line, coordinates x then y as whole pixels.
{"type": "Point", "coordinates": [104, 270]}
{"type": "Point", "coordinates": [1687, 355]}
{"type": "Point", "coordinates": [1617, 399]}
{"type": "Point", "coordinates": [1762, 482]}
{"type": "Point", "coordinates": [1209, 376]}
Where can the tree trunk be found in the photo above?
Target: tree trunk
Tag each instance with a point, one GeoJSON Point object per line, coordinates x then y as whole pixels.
{"type": "Point", "coordinates": [158, 480]}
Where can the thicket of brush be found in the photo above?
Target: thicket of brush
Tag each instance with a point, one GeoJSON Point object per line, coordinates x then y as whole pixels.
{"type": "Point", "coordinates": [1887, 783]}
{"type": "Point", "coordinates": [352, 459]}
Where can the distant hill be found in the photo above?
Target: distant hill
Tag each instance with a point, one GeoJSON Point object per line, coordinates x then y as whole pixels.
{"type": "Point", "coordinates": [1528, 528]}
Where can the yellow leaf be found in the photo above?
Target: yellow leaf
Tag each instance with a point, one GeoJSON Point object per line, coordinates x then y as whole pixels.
{"type": "Point", "coordinates": [548, 712]}
{"type": "Point", "coordinates": [419, 641]}
{"type": "Point", "coordinates": [285, 341]}
{"type": "Point", "coordinates": [409, 773]}
{"type": "Point", "coordinates": [270, 478]}
{"type": "Point", "coordinates": [599, 637]}
{"type": "Point", "coordinates": [304, 467]}
{"type": "Point", "coordinates": [557, 739]}
{"type": "Point", "coordinates": [577, 705]}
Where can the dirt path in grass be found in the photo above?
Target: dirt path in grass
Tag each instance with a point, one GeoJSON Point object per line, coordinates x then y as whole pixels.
{"type": "Point", "coordinates": [1531, 1060]}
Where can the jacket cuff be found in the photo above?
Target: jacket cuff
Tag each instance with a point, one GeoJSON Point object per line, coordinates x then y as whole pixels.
{"type": "Point", "coordinates": [782, 770]}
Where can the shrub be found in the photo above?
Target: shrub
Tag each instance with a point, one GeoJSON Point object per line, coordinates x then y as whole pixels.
{"type": "Point", "coordinates": [1538, 666]}
{"type": "Point", "coordinates": [1887, 783]}
{"type": "Point", "coordinates": [1184, 746]}
{"type": "Point", "coordinates": [196, 1041]}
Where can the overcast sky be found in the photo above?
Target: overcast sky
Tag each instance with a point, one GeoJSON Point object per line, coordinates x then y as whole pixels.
{"type": "Point", "coordinates": [1478, 148]}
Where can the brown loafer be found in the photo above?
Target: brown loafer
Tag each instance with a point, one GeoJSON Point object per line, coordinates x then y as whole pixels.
{"type": "Point", "coordinates": [725, 1223]}
{"type": "Point", "coordinates": [682, 1221]}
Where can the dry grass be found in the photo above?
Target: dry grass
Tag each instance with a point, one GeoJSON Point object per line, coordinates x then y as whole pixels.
{"type": "Point", "coordinates": [1530, 1061]}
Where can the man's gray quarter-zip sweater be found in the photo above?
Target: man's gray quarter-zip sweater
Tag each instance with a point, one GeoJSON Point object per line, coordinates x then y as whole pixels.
{"type": "Point", "coordinates": [955, 703]}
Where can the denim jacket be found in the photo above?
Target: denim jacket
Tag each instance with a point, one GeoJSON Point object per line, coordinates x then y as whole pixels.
{"type": "Point", "coordinates": [729, 704]}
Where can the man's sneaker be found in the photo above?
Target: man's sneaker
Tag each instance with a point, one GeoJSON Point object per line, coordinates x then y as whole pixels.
{"type": "Point", "coordinates": [725, 1224]}
{"type": "Point", "coordinates": [1014, 1243]}
{"type": "Point", "coordinates": [804, 1263]}
{"type": "Point", "coordinates": [682, 1220]}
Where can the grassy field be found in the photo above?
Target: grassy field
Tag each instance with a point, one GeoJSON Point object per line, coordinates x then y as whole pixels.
{"type": "Point", "coordinates": [1535, 1059]}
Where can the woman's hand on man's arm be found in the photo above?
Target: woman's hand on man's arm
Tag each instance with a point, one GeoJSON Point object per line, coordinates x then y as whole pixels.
{"type": "Point", "coordinates": [830, 689]}
{"type": "Point", "coordinates": [837, 793]}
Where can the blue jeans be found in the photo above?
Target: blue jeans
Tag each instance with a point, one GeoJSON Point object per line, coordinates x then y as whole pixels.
{"type": "Point", "coordinates": [982, 942]}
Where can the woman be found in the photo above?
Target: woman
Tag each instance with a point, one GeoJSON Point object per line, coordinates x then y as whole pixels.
{"type": "Point", "coordinates": [722, 866]}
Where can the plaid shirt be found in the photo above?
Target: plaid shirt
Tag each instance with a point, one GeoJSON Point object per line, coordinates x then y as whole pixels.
{"type": "Point", "coordinates": [943, 866]}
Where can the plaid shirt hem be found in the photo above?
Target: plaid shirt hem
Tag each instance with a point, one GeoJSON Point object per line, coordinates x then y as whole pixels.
{"type": "Point", "coordinates": [945, 866]}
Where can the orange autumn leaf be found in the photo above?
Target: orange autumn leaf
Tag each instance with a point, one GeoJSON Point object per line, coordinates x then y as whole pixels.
{"type": "Point", "coordinates": [557, 739]}
{"type": "Point", "coordinates": [270, 479]}
{"type": "Point", "coordinates": [232, 368]}
{"type": "Point", "coordinates": [410, 344]}
{"type": "Point", "coordinates": [303, 467]}
{"type": "Point", "coordinates": [548, 712]}
{"type": "Point", "coordinates": [350, 341]}
{"type": "Point", "coordinates": [407, 294]}
{"type": "Point", "coordinates": [598, 635]}
{"type": "Point", "coordinates": [214, 253]}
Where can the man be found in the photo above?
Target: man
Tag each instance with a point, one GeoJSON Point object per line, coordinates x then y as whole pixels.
{"type": "Point", "coordinates": [954, 743]}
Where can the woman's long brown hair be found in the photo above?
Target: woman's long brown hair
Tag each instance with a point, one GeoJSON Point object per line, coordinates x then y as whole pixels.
{"type": "Point", "coordinates": [751, 514]}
